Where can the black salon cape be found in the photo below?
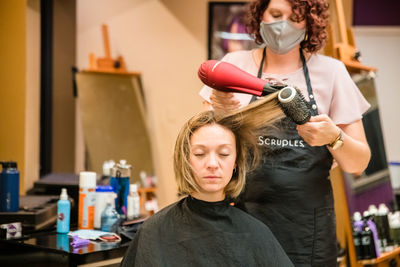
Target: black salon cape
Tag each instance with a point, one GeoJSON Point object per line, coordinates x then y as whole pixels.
{"type": "Point", "coordinates": [192, 232]}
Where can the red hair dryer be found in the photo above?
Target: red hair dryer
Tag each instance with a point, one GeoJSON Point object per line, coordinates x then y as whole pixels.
{"type": "Point", "coordinates": [226, 77]}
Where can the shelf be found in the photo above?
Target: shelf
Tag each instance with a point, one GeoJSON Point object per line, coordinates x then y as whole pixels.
{"type": "Point", "coordinates": [147, 189]}
{"type": "Point", "coordinates": [131, 73]}
{"type": "Point", "coordinates": [382, 258]}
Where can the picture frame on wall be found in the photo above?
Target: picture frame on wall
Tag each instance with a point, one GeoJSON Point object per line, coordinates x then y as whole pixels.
{"type": "Point", "coordinates": [226, 29]}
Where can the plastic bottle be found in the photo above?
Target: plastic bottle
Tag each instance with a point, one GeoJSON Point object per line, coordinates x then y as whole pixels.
{"type": "Point", "coordinates": [367, 242]}
{"type": "Point", "coordinates": [102, 193]}
{"type": "Point", "coordinates": [370, 241]}
{"type": "Point", "coordinates": [63, 212]}
{"type": "Point", "coordinates": [120, 180]}
{"type": "Point", "coordinates": [382, 241]}
{"type": "Point", "coordinates": [109, 216]}
{"type": "Point", "coordinates": [382, 216]}
{"type": "Point", "coordinates": [9, 187]}
{"type": "Point", "coordinates": [394, 222]}
{"type": "Point", "coordinates": [133, 203]}
{"type": "Point", "coordinates": [87, 199]}
{"type": "Point", "coordinates": [357, 235]}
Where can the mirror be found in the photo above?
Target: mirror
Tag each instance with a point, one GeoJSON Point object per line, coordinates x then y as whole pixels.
{"type": "Point", "coordinates": [374, 185]}
{"type": "Point", "coordinates": [114, 121]}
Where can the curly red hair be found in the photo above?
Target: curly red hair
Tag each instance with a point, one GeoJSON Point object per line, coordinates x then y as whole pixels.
{"type": "Point", "coordinates": [315, 12]}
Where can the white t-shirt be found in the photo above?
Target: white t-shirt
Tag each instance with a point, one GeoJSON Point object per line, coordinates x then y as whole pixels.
{"type": "Point", "coordinates": [333, 89]}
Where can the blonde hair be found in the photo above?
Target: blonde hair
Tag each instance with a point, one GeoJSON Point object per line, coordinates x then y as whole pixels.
{"type": "Point", "coordinates": [244, 124]}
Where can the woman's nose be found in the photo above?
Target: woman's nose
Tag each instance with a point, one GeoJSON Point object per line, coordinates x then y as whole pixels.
{"type": "Point", "coordinates": [212, 161]}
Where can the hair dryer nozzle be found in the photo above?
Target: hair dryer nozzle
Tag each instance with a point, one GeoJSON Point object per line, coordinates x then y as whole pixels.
{"type": "Point", "coordinates": [294, 105]}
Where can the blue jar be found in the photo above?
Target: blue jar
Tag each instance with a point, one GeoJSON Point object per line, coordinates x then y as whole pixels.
{"type": "Point", "coordinates": [108, 217]}
{"type": "Point", "coordinates": [9, 187]}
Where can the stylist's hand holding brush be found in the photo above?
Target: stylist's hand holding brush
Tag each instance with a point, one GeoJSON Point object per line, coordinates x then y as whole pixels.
{"type": "Point", "coordinates": [320, 130]}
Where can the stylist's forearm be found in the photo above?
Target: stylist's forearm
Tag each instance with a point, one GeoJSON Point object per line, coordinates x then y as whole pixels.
{"type": "Point", "coordinates": [353, 156]}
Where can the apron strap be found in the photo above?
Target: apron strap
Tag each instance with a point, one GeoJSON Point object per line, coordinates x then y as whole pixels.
{"type": "Point", "coordinates": [261, 64]}
{"type": "Point", "coordinates": [312, 102]}
{"type": "Point", "coordinates": [254, 98]}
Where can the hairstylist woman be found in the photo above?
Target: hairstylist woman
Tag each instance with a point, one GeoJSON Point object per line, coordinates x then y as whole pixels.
{"type": "Point", "coordinates": [290, 191]}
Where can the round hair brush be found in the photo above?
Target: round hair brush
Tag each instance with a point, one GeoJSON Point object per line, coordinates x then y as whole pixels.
{"type": "Point", "coordinates": [294, 105]}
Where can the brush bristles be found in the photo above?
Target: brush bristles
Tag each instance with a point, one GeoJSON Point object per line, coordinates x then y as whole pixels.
{"type": "Point", "coordinates": [297, 109]}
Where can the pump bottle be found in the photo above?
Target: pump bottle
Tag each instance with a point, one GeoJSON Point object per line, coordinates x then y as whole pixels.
{"type": "Point", "coordinates": [63, 212]}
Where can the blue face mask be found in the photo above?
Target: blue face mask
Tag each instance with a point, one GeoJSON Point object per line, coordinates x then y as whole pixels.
{"type": "Point", "coordinates": [88, 234]}
{"type": "Point", "coordinates": [281, 36]}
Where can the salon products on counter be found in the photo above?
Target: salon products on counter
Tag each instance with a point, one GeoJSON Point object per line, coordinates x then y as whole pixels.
{"type": "Point", "coordinates": [87, 199]}
{"type": "Point", "coordinates": [378, 231]}
{"type": "Point", "coordinates": [379, 222]}
{"type": "Point", "coordinates": [9, 187]}
{"type": "Point", "coordinates": [10, 230]}
{"type": "Point", "coordinates": [357, 236]}
{"type": "Point", "coordinates": [103, 192]}
{"type": "Point", "coordinates": [63, 212]}
{"type": "Point", "coordinates": [133, 203]}
{"type": "Point", "coordinates": [109, 216]}
{"type": "Point", "coordinates": [365, 236]}
{"type": "Point", "coordinates": [371, 249]}
{"type": "Point", "coordinates": [107, 166]}
{"type": "Point", "coordinates": [382, 223]}
{"type": "Point", "coordinates": [394, 223]}
{"type": "Point", "coordinates": [120, 177]}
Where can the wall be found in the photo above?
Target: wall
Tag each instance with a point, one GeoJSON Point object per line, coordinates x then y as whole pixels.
{"type": "Point", "coordinates": [20, 87]}
{"type": "Point", "coordinates": [13, 81]}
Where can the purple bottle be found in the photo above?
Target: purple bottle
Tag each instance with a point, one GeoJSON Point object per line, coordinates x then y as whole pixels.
{"type": "Point", "coordinates": [371, 249]}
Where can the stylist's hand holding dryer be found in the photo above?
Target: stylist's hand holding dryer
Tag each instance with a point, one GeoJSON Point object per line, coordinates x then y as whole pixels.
{"type": "Point", "coordinates": [290, 191]}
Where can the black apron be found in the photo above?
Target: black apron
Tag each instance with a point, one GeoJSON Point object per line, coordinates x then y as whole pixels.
{"type": "Point", "coordinates": [291, 191]}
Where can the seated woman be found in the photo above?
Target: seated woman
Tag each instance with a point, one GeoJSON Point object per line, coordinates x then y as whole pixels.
{"type": "Point", "coordinates": [212, 155]}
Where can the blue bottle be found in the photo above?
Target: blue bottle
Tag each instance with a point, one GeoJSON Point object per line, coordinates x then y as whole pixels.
{"type": "Point", "coordinates": [120, 176]}
{"type": "Point", "coordinates": [63, 212]}
{"type": "Point", "coordinates": [9, 187]}
{"type": "Point", "coordinates": [108, 217]}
